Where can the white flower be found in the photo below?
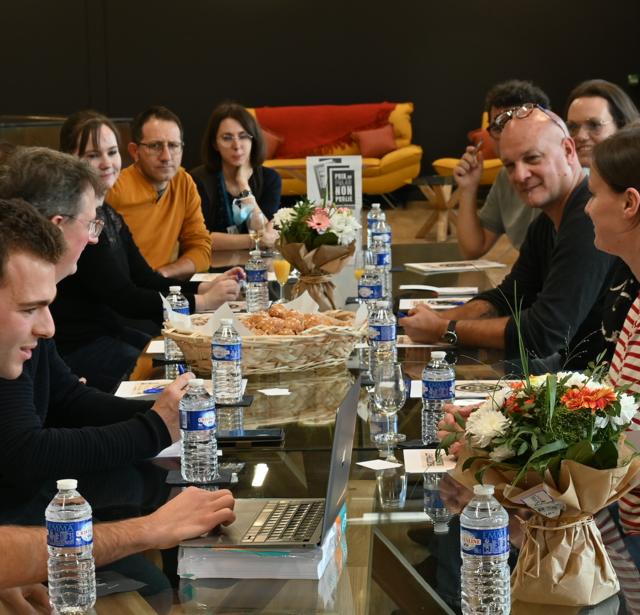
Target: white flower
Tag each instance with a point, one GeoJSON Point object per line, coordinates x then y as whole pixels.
{"type": "Point", "coordinates": [283, 215]}
{"type": "Point", "coordinates": [496, 400]}
{"type": "Point", "coordinates": [502, 452]}
{"type": "Point", "coordinates": [628, 409]}
{"type": "Point", "coordinates": [345, 227]}
{"type": "Point", "coordinates": [575, 379]}
{"type": "Point", "coordinates": [486, 424]}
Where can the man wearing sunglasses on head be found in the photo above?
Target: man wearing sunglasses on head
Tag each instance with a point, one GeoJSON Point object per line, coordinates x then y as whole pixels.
{"type": "Point", "coordinates": [558, 284]}
{"type": "Point", "coordinates": [504, 211]}
{"type": "Point", "coordinates": [158, 200]}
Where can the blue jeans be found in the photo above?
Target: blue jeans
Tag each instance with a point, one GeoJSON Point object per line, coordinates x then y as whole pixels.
{"type": "Point", "coordinates": [106, 360]}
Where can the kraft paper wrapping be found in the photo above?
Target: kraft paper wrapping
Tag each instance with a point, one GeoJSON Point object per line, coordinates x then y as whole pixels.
{"type": "Point", "coordinates": [316, 269]}
{"type": "Point", "coordinates": [563, 560]}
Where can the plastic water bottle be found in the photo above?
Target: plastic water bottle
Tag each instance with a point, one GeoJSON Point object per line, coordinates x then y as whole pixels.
{"type": "Point", "coordinates": [484, 542]}
{"type": "Point", "coordinates": [433, 504]}
{"type": "Point", "coordinates": [72, 573]}
{"type": "Point", "coordinates": [257, 291]}
{"type": "Point", "coordinates": [438, 389]}
{"type": "Point", "coordinates": [370, 287]}
{"type": "Point", "coordinates": [226, 357]}
{"type": "Point", "coordinates": [381, 231]}
{"type": "Point", "coordinates": [178, 304]}
{"type": "Point", "coordinates": [382, 336]}
{"type": "Point", "coordinates": [198, 428]}
{"type": "Point", "coordinates": [372, 218]}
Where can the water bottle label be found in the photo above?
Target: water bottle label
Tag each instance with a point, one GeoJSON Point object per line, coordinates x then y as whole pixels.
{"type": "Point", "coordinates": [184, 310]}
{"type": "Point", "coordinates": [383, 237]}
{"type": "Point", "coordinates": [371, 222]}
{"type": "Point", "coordinates": [256, 276]}
{"type": "Point", "coordinates": [230, 352]}
{"type": "Point", "coordinates": [197, 420]}
{"type": "Point", "coordinates": [382, 333]}
{"type": "Point", "coordinates": [432, 499]}
{"type": "Point", "coordinates": [378, 427]}
{"type": "Point", "coordinates": [70, 534]}
{"type": "Point", "coordinates": [383, 258]}
{"type": "Point", "coordinates": [438, 389]}
{"type": "Point", "coordinates": [370, 292]}
{"type": "Point", "coordinates": [484, 542]}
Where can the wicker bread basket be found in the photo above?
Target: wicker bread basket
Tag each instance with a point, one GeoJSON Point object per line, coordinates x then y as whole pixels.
{"type": "Point", "coordinates": [321, 346]}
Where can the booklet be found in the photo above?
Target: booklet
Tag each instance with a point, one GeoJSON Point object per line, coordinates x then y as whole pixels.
{"type": "Point", "coordinates": [444, 303]}
{"type": "Point", "coordinates": [453, 266]}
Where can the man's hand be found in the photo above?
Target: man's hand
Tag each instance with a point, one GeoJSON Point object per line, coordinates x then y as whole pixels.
{"type": "Point", "coordinates": [226, 290]}
{"type": "Point", "coordinates": [192, 513]}
{"type": "Point", "coordinates": [455, 496]}
{"type": "Point", "coordinates": [232, 274]}
{"type": "Point", "coordinates": [167, 405]}
{"type": "Point", "coordinates": [270, 236]}
{"type": "Point", "coordinates": [17, 598]}
{"type": "Point", "coordinates": [424, 325]}
{"type": "Point", "coordinates": [450, 421]}
{"type": "Point", "coordinates": [468, 171]}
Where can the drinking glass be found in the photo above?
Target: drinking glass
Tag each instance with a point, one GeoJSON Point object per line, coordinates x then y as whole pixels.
{"type": "Point", "coordinates": [361, 261]}
{"type": "Point", "coordinates": [392, 487]}
{"type": "Point", "coordinates": [256, 224]}
{"type": "Point", "coordinates": [389, 396]}
{"type": "Point", "coordinates": [281, 268]}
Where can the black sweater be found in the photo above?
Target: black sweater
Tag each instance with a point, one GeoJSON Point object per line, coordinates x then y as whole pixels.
{"type": "Point", "coordinates": [112, 275]}
{"type": "Point", "coordinates": [561, 279]}
{"type": "Point", "coordinates": [53, 426]}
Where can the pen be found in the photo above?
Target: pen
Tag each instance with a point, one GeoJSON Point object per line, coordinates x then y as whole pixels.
{"type": "Point", "coordinates": [180, 368]}
{"type": "Point", "coordinates": [158, 389]}
{"type": "Point", "coordinates": [401, 315]}
{"type": "Point", "coordinates": [475, 151]}
{"type": "Point", "coordinates": [239, 276]}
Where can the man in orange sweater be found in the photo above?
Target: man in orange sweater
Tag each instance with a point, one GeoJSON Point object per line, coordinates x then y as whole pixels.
{"type": "Point", "coordinates": [159, 201]}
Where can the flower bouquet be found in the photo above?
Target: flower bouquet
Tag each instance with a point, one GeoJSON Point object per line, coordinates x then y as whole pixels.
{"type": "Point", "coordinates": [318, 241]}
{"type": "Point", "coordinates": [555, 445]}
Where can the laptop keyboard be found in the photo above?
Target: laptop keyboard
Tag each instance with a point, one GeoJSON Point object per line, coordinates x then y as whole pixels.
{"type": "Point", "coordinates": [285, 521]}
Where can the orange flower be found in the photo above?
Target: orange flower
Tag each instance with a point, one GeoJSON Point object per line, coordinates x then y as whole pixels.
{"type": "Point", "coordinates": [516, 401]}
{"type": "Point", "coordinates": [596, 399]}
{"type": "Point", "coordinates": [516, 385]}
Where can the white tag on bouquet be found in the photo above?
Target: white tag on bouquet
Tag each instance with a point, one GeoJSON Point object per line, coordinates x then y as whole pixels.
{"type": "Point", "coordinates": [543, 503]}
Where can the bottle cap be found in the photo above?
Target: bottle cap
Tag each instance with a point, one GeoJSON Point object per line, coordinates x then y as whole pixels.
{"type": "Point", "coordinates": [255, 253]}
{"type": "Point", "coordinates": [438, 355]}
{"type": "Point", "coordinates": [369, 267]}
{"type": "Point", "coordinates": [196, 382]}
{"type": "Point", "coordinates": [175, 289]}
{"type": "Point", "coordinates": [375, 206]}
{"type": "Point", "coordinates": [67, 483]}
{"type": "Point", "coordinates": [483, 489]}
{"type": "Point", "coordinates": [226, 321]}
{"type": "Point", "coordinates": [382, 304]}
{"type": "Point", "coordinates": [440, 528]}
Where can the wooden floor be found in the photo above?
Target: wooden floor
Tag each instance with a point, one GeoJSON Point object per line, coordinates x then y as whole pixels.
{"type": "Point", "coordinates": [406, 222]}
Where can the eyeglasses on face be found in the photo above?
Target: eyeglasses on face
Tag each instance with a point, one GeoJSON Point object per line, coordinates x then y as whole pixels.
{"type": "Point", "coordinates": [156, 148]}
{"type": "Point", "coordinates": [226, 140]}
{"type": "Point", "coordinates": [593, 126]}
{"type": "Point", "coordinates": [521, 112]}
{"type": "Point", "coordinates": [95, 226]}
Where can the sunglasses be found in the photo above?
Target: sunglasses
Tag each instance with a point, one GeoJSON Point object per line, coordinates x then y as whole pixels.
{"type": "Point", "coordinates": [501, 120]}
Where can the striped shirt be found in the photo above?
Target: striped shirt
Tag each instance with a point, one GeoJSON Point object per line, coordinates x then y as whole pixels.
{"type": "Point", "coordinates": [625, 369]}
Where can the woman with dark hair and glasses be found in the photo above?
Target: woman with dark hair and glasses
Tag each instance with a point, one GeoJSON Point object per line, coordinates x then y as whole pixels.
{"type": "Point", "coordinates": [113, 278]}
{"type": "Point", "coordinates": [597, 109]}
{"type": "Point", "coordinates": [233, 150]}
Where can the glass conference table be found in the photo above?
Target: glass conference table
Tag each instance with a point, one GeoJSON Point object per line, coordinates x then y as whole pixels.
{"type": "Point", "coordinates": [393, 564]}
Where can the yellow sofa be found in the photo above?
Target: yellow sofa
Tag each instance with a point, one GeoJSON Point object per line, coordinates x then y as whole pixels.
{"type": "Point", "coordinates": [444, 166]}
{"type": "Point", "coordinates": [379, 175]}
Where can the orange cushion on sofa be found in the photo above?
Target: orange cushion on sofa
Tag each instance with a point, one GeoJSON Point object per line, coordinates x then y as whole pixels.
{"type": "Point", "coordinates": [273, 141]}
{"type": "Point", "coordinates": [487, 147]}
{"type": "Point", "coordinates": [375, 143]}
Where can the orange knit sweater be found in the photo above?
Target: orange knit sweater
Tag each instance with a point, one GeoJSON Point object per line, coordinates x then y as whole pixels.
{"type": "Point", "coordinates": [157, 224]}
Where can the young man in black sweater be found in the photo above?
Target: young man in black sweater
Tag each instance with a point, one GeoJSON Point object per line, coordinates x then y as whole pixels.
{"type": "Point", "coordinates": [560, 278]}
{"type": "Point", "coordinates": [53, 426]}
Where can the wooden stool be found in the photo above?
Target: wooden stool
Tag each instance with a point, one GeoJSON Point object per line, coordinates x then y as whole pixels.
{"type": "Point", "coordinates": [438, 190]}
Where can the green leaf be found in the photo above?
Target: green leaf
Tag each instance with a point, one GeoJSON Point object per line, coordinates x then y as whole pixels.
{"type": "Point", "coordinates": [534, 442]}
{"type": "Point", "coordinates": [549, 448]}
{"type": "Point", "coordinates": [448, 428]}
{"type": "Point", "coordinates": [325, 238]}
{"type": "Point", "coordinates": [606, 457]}
{"type": "Point", "coordinates": [554, 467]}
{"type": "Point", "coordinates": [523, 448]}
{"type": "Point", "coordinates": [460, 421]}
{"type": "Point", "coordinates": [447, 441]}
{"type": "Point", "coordinates": [552, 384]}
{"type": "Point", "coordinates": [467, 464]}
{"type": "Point", "coordinates": [581, 452]}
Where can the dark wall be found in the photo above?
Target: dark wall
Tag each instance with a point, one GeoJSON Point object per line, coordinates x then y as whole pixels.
{"type": "Point", "coordinates": [120, 56]}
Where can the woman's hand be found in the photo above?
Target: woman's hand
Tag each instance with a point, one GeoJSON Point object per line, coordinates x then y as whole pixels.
{"type": "Point", "coordinates": [236, 273]}
{"type": "Point", "coordinates": [227, 289]}
{"type": "Point", "coordinates": [243, 174]}
{"type": "Point", "coordinates": [270, 236]}
{"type": "Point", "coordinates": [450, 421]}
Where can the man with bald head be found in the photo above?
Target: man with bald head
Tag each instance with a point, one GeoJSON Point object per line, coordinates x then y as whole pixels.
{"type": "Point", "coordinates": [559, 280]}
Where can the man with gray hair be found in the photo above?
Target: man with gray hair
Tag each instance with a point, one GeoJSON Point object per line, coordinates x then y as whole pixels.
{"type": "Point", "coordinates": [560, 279]}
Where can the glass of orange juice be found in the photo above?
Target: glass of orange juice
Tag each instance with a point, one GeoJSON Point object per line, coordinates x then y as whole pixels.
{"type": "Point", "coordinates": [281, 268]}
{"type": "Point", "coordinates": [362, 259]}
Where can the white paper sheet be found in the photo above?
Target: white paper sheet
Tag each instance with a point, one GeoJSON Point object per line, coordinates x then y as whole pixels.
{"type": "Point", "coordinates": [437, 303]}
{"type": "Point", "coordinates": [416, 461]}
{"type": "Point", "coordinates": [156, 347]}
{"type": "Point", "coordinates": [128, 388]}
{"type": "Point", "coordinates": [378, 464]}
{"type": "Point", "coordinates": [453, 266]}
{"type": "Point", "coordinates": [275, 391]}
{"type": "Point", "coordinates": [443, 291]}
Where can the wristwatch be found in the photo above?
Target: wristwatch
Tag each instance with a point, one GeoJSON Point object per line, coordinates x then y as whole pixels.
{"type": "Point", "coordinates": [450, 336]}
{"type": "Point", "coordinates": [244, 194]}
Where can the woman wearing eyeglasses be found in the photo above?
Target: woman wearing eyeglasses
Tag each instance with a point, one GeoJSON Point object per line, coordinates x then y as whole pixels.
{"type": "Point", "coordinates": [232, 181]}
{"type": "Point", "coordinates": [595, 110]}
{"type": "Point", "coordinates": [112, 276]}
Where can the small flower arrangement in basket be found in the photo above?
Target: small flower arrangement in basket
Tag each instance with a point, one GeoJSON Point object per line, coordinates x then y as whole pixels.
{"type": "Point", "coordinates": [318, 240]}
{"type": "Point", "coordinates": [555, 445]}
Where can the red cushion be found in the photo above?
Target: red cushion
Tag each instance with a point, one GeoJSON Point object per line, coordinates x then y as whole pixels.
{"type": "Point", "coordinates": [487, 147]}
{"type": "Point", "coordinates": [375, 143]}
{"type": "Point", "coordinates": [274, 141]}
